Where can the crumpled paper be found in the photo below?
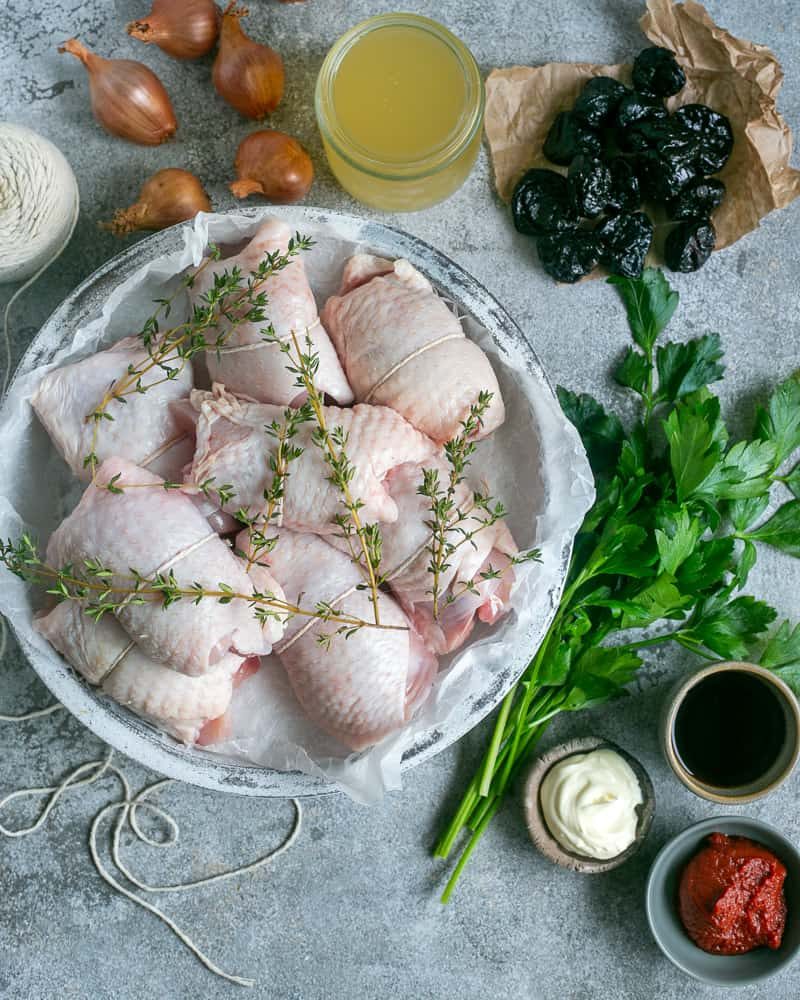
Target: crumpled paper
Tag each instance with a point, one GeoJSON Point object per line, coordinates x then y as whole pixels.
{"type": "Point", "coordinates": [731, 75]}
{"type": "Point", "coordinates": [268, 726]}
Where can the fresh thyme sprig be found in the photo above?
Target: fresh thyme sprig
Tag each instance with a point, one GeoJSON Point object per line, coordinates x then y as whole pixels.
{"type": "Point", "coordinates": [101, 591]}
{"type": "Point", "coordinates": [332, 443]}
{"type": "Point", "coordinates": [232, 299]}
{"type": "Point", "coordinates": [259, 543]}
{"type": "Point", "coordinates": [490, 573]}
{"type": "Point", "coordinates": [448, 518]}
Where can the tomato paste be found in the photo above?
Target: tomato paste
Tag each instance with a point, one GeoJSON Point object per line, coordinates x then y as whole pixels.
{"type": "Point", "coordinates": [731, 896]}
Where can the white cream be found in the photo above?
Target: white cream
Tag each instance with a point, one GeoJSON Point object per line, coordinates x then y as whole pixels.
{"type": "Point", "coordinates": [589, 803]}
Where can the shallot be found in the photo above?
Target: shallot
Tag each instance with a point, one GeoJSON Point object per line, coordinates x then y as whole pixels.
{"type": "Point", "coordinates": [185, 29]}
{"type": "Point", "coordinates": [274, 165]}
{"type": "Point", "coordinates": [128, 99]}
{"type": "Point", "coordinates": [249, 76]}
{"type": "Point", "coordinates": [168, 197]}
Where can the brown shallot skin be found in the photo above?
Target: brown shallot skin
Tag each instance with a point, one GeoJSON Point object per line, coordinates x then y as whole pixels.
{"type": "Point", "coordinates": [128, 99]}
{"type": "Point", "coordinates": [168, 197]}
{"type": "Point", "coordinates": [272, 164]}
{"type": "Point", "coordinates": [247, 75]}
{"type": "Point", "coordinates": [184, 29]}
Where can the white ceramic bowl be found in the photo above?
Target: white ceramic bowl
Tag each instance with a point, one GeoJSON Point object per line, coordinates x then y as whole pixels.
{"type": "Point", "coordinates": [563, 481]}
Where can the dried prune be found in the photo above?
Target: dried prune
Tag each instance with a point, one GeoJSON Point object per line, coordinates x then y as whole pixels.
{"type": "Point", "coordinates": [633, 111]}
{"type": "Point", "coordinates": [568, 256]}
{"type": "Point", "coordinates": [662, 177]}
{"type": "Point", "coordinates": [638, 107]}
{"type": "Point", "coordinates": [656, 71]}
{"type": "Point", "coordinates": [569, 137]}
{"type": "Point", "coordinates": [697, 199]}
{"type": "Point", "coordinates": [713, 133]}
{"type": "Point", "coordinates": [624, 242]}
{"type": "Point", "coordinates": [598, 100]}
{"type": "Point", "coordinates": [689, 245]}
{"type": "Point", "coordinates": [589, 182]}
{"type": "Point", "coordinates": [665, 135]}
{"type": "Point", "coordinates": [541, 203]}
{"type": "Point", "coordinates": [624, 195]}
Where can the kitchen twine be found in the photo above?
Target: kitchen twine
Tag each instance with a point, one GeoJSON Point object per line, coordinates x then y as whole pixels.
{"type": "Point", "coordinates": [127, 810]}
{"type": "Point", "coordinates": [39, 204]}
{"type": "Point", "coordinates": [258, 345]}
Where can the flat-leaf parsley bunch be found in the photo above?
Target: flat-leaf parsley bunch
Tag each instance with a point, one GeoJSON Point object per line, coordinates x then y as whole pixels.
{"type": "Point", "coordinates": [666, 548]}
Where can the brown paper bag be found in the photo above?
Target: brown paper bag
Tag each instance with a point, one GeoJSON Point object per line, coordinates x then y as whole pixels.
{"type": "Point", "coordinates": [733, 76]}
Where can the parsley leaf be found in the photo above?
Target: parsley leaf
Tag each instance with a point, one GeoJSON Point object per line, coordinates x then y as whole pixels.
{"type": "Point", "coordinates": [684, 368]}
{"type": "Point", "coordinates": [703, 470]}
{"type": "Point", "coordinates": [695, 448]}
{"type": "Point", "coordinates": [620, 551]}
{"type": "Point", "coordinates": [659, 599]}
{"type": "Point", "coordinates": [610, 662]}
{"type": "Point", "coordinates": [633, 371]}
{"type": "Point", "coordinates": [728, 628]}
{"type": "Point", "coordinates": [598, 676]}
{"type": "Point", "coordinates": [790, 675]}
{"type": "Point", "coordinates": [744, 512]}
{"type": "Point", "coordinates": [792, 481]}
{"type": "Point", "coordinates": [743, 473]}
{"type": "Point", "coordinates": [780, 421]}
{"type": "Point", "coordinates": [782, 655]}
{"type": "Point", "coordinates": [650, 303]}
{"type": "Point", "coordinates": [783, 647]}
{"type": "Point", "coordinates": [676, 539]}
{"type": "Point", "coordinates": [601, 433]}
{"type": "Point", "coordinates": [706, 566]}
{"type": "Point", "coordinates": [782, 530]}
{"type": "Point", "coordinates": [747, 561]}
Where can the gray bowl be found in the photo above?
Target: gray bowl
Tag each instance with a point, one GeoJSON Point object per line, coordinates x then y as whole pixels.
{"type": "Point", "coordinates": [661, 901]}
{"type": "Point", "coordinates": [537, 825]}
{"type": "Point", "coordinates": [136, 738]}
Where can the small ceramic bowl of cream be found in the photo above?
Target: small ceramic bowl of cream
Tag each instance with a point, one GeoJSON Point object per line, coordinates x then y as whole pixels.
{"type": "Point", "coordinates": [588, 804]}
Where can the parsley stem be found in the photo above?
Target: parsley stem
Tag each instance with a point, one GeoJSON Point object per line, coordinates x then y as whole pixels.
{"type": "Point", "coordinates": [497, 738]}
{"type": "Point", "coordinates": [472, 843]}
{"type": "Point", "coordinates": [479, 821]}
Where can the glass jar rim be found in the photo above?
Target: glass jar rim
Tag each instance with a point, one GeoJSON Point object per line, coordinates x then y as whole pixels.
{"type": "Point", "coordinates": [359, 157]}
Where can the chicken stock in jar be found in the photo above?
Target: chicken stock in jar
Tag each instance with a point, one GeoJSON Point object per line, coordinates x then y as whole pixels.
{"type": "Point", "coordinates": [399, 104]}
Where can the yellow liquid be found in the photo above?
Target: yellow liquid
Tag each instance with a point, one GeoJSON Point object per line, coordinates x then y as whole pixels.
{"type": "Point", "coordinates": [403, 100]}
{"type": "Point", "coordinates": [400, 94]}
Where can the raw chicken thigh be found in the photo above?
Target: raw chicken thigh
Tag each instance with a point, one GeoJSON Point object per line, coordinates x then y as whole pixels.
{"type": "Point", "coordinates": [402, 347]}
{"type": "Point", "coordinates": [364, 687]}
{"type": "Point", "coordinates": [144, 429]}
{"type": "Point", "coordinates": [157, 530]}
{"type": "Point", "coordinates": [233, 447]}
{"type": "Point", "coordinates": [406, 559]}
{"type": "Point", "coordinates": [245, 363]}
{"type": "Point", "coordinates": [104, 654]}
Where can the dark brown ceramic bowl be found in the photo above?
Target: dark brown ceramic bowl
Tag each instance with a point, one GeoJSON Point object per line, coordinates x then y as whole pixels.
{"type": "Point", "coordinates": [537, 826]}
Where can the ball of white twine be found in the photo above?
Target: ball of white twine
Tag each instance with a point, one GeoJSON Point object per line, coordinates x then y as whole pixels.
{"type": "Point", "coordinates": [39, 205]}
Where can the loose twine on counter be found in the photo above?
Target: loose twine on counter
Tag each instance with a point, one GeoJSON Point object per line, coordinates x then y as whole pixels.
{"type": "Point", "coordinates": [127, 809]}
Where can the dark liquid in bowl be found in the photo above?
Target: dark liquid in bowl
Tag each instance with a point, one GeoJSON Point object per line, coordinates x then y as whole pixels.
{"type": "Point", "coordinates": [729, 729]}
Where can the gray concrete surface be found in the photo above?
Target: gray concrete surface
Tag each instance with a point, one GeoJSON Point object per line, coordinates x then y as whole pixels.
{"type": "Point", "coordinates": [352, 912]}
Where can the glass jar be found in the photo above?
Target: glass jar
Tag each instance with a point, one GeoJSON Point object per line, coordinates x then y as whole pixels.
{"type": "Point", "coordinates": [399, 104]}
